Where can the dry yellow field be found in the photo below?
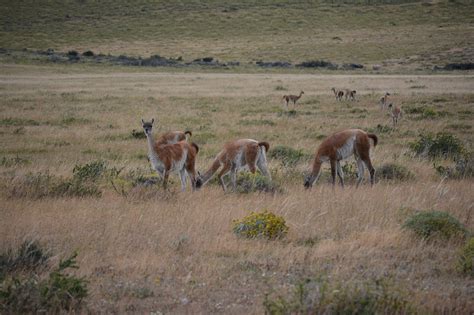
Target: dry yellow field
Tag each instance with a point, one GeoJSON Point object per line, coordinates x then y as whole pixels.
{"type": "Point", "coordinates": [175, 252]}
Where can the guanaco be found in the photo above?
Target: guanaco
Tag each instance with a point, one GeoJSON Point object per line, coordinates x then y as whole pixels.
{"type": "Point", "coordinates": [383, 100]}
{"type": "Point", "coordinates": [341, 146]}
{"type": "Point", "coordinates": [395, 112]}
{"type": "Point", "coordinates": [165, 158]}
{"type": "Point", "coordinates": [350, 94]}
{"type": "Point", "coordinates": [338, 94]}
{"type": "Point", "coordinates": [293, 98]}
{"type": "Point", "coordinates": [173, 137]}
{"type": "Point", "coordinates": [234, 156]}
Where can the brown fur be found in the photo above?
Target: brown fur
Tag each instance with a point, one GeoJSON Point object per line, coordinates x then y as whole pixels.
{"type": "Point", "coordinates": [396, 113]}
{"type": "Point", "coordinates": [330, 149]}
{"type": "Point", "coordinates": [173, 137]}
{"type": "Point", "coordinates": [338, 94]}
{"type": "Point", "coordinates": [384, 100]}
{"type": "Point", "coordinates": [227, 159]}
{"type": "Point", "coordinates": [293, 98]}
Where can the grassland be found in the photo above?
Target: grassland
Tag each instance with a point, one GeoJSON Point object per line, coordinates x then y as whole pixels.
{"type": "Point", "coordinates": [172, 252]}
{"type": "Point", "coordinates": [398, 35]}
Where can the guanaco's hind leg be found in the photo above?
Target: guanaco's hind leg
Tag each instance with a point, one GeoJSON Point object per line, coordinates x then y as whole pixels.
{"type": "Point", "coordinates": [340, 173]}
{"type": "Point", "coordinates": [224, 171]}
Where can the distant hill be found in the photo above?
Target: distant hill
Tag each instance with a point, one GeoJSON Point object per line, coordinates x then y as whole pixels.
{"type": "Point", "coordinates": [392, 33]}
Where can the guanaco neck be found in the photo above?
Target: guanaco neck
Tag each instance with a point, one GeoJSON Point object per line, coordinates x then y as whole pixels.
{"type": "Point", "coordinates": [154, 159]}
{"type": "Point", "coordinates": [210, 172]}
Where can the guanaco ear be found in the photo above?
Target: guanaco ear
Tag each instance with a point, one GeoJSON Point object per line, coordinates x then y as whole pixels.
{"type": "Point", "coordinates": [143, 122]}
{"type": "Point", "coordinates": [152, 120]}
{"type": "Point", "coordinates": [199, 173]}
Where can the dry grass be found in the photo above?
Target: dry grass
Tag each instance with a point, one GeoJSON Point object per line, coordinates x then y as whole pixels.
{"type": "Point", "coordinates": [175, 252]}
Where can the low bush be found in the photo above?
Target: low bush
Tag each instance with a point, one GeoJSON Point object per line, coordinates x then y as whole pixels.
{"type": "Point", "coordinates": [289, 157]}
{"type": "Point", "coordinates": [29, 256]}
{"type": "Point", "coordinates": [466, 258]}
{"type": "Point", "coordinates": [248, 182]}
{"type": "Point", "coordinates": [443, 144]}
{"type": "Point", "coordinates": [13, 161]}
{"type": "Point", "coordinates": [89, 172]}
{"type": "Point", "coordinates": [463, 167]}
{"type": "Point", "coordinates": [138, 134]}
{"type": "Point", "coordinates": [58, 293]}
{"type": "Point", "coordinates": [429, 224]}
{"type": "Point", "coordinates": [319, 297]}
{"type": "Point", "coordinates": [261, 225]}
{"type": "Point", "coordinates": [392, 171]}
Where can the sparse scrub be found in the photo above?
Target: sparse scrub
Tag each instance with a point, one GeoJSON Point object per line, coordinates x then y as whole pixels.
{"type": "Point", "coordinates": [261, 225]}
{"type": "Point", "coordinates": [29, 256]}
{"type": "Point", "coordinates": [14, 161]}
{"type": "Point", "coordinates": [430, 224]}
{"type": "Point", "coordinates": [463, 167]}
{"type": "Point", "coordinates": [57, 293]}
{"type": "Point", "coordinates": [320, 297]}
{"type": "Point", "coordinates": [289, 157]}
{"type": "Point", "coordinates": [13, 121]}
{"type": "Point", "coordinates": [248, 182]}
{"type": "Point", "coordinates": [443, 144]}
{"type": "Point", "coordinates": [466, 258]}
{"type": "Point", "coordinates": [381, 129]}
{"type": "Point", "coordinates": [392, 171]}
{"type": "Point", "coordinates": [138, 134]}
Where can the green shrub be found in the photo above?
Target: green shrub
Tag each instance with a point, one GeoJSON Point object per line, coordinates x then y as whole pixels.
{"type": "Point", "coordinates": [287, 156]}
{"type": "Point", "coordinates": [248, 182]}
{"type": "Point", "coordinates": [466, 258]}
{"type": "Point", "coordinates": [90, 171]}
{"type": "Point", "coordinates": [280, 88]}
{"type": "Point", "coordinates": [14, 161]}
{"type": "Point", "coordinates": [392, 171]}
{"type": "Point", "coordinates": [319, 297]}
{"type": "Point", "coordinates": [57, 293]}
{"type": "Point", "coordinates": [29, 256]}
{"type": "Point", "coordinates": [261, 225]}
{"type": "Point", "coordinates": [288, 113]}
{"type": "Point", "coordinates": [381, 129]}
{"type": "Point", "coordinates": [443, 144]}
{"type": "Point", "coordinates": [138, 134]}
{"type": "Point", "coordinates": [428, 224]}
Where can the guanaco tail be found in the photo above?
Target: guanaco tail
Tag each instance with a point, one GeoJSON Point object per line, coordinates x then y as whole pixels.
{"type": "Point", "coordinates": [234, 156]}
{"type": "Point", "coordinates": [341, 146]}
{"type": "Point", "coordinates": [165, 158]}
{"type": "Point", "coordinates": [293, 98]}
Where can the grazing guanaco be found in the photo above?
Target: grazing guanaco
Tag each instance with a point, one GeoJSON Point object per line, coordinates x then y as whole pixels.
{"type": "Point", "coordinates": [293, 98]}
{"type": "Point", "coordinates": [234, 156]}
{"type": "Point", "coordinates": [338, 94]}
{"type": "Point", "coordinates": [350, 95]}
{"type": "Point", "coordinates": [173, 137]}
{"type": "Point", "coordinates": [395, 112]}
{"type": "Point", "coordinates": [383, 100]}
{"type": "Point", "coordinates": [340, 146]}
{"type": "Point", "coordinates": [165, 158]}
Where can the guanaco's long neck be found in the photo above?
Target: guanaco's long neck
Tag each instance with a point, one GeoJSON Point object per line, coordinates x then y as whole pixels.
{"type": "Point", "coordinates": [151, 148]}
{"type": "Point", "coordinates": [316, 171]}
{"type": "Point", "coordinates": [210, 172]}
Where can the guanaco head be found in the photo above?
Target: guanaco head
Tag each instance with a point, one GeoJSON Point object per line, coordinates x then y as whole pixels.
{"type": "Point", "coordinates": [308, 181]}
{"type": "Point", "coordinates": [147, 126]}
{"type": "Point", "coordinates": [390, 105]}
{"type": "Point", "coordinates": [199, 181]}
{"type": "Point", "coordinates": [387, 94]}
{"type": "Point", "coordinates": [301, 93]}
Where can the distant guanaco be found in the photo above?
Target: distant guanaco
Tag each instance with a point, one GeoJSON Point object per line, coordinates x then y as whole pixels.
{"type": "Point", "coordinates": [350, 94]}
{"type": "Point", "coordinates": [383, 100]}
{"type": "Point", "coordinates": [395, 112]}
{"type": "Point", "coordinates": [341, 146]}
{"type": "Point", "coordinates": [165, 158]}
{"type": "Point", "coordinates": [234, 156]}
{"type": "Point", "coordinates": [293, 98]}
{"type": "Point", "coordinates": [338, 94]}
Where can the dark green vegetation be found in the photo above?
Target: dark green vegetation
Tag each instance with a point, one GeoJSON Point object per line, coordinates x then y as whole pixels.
{"type": "Point", "coordinates": [441, 145]}
{"type": "Point", "coordinates": [466, 258]}
{"type": "Point", "coordinates": [23, 288]}
{"type": "Point", "coordinates": [429, 224]}
{"type": "Point", "coordinates": [317, 296]}
{"type": "Point", "coordinates": [424, 33]}
{"type": "Point", "coordinates": [393, 171]}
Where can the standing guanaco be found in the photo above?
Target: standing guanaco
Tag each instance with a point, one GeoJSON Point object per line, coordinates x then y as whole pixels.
{"type": "Point", "coordinates": [293, 98]}
{"type": "Point", "coordinates": [395, 112]}
{"type": "Point", "coordinates": [234, 156]}
{"type": "Point", "coordinates": [338, 94]}
{"type": "Point", "coordinates": [341, 146]}
{"type": "Point", "coordinates": [165, 158]}
{"type": "Point", "coordinates": [350, 94]}
{"type": "Point", "coordinates": [383, 100]}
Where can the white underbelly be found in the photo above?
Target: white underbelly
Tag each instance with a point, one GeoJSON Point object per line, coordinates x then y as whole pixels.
{"type": "Point", "coordinates": [347, 149]}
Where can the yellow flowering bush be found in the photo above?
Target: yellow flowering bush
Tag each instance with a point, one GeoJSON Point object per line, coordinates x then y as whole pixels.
{"type": "Point", "coordinates": [261, 225]}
